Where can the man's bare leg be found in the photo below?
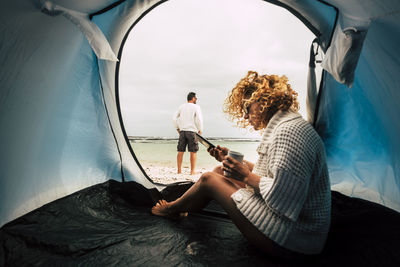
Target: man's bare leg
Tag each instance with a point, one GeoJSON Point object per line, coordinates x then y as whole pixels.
{"type": "Point", "coordinates": [179, 160]}
{"type": "Point", "coordinates": [193, 158]}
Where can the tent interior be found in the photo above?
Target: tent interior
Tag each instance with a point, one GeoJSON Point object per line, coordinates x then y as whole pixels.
{"type": "Point", "coordinates": [72, 191]}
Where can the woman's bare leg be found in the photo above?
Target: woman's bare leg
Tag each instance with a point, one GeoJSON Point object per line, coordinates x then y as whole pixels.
{"type": "Point", "coordinates": [220, 171]}
{"type": "Point", "coordinates": [210, 186]}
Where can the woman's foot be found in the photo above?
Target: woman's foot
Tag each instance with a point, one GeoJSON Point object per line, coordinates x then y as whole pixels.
{"type": "Point", "coordinates": [162, 209]}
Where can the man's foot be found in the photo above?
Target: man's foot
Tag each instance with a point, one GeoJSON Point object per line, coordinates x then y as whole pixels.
{"type": "Point", "coordinates": [162, 209]}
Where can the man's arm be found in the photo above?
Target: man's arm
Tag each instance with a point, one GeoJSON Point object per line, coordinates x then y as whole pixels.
{"type": "Point", "coordinates": [198, 120]}
{"type": "Point", "coordinates": [175, 120]}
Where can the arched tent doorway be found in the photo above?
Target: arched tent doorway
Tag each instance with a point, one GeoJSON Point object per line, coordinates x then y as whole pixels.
{"type": "Point", "coordinates": [63, 96]}
{"type": "Point", "coordinates": [323, 30]}
{"type": "Point", "coordinates": [173, 49]}
{"type": "Point", "coordinates": [322, 27]}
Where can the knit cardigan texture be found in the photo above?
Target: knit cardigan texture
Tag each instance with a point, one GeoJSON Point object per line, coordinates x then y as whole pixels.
{"type": "Point", "coordinates": [293, 205]}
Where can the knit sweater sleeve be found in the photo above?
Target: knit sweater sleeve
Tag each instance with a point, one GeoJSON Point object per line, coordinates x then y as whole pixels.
{"type": "Point", "coordinates": [291, 167]}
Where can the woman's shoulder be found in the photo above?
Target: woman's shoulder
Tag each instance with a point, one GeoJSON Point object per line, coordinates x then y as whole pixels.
{"type": "Point", "coordinates": [288, 120]}
{"type": "Point", "coordinates": [294, 127]}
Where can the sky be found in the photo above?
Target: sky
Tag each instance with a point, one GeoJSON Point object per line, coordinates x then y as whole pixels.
{"type": "Point", "coordinates": [206, 46]}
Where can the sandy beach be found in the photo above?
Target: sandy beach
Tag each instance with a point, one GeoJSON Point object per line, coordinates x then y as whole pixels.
{"type": "Point", "coordinates": [168, 175]}
{"type": "Point", "coordinates": [158, 158]}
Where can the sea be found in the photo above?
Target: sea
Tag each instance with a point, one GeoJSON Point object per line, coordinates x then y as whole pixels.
{"type": "Point", "coordinates": [162, 151]}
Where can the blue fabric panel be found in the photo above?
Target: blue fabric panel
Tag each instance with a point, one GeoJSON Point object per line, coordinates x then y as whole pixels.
{"type": "Point", "coordinates": [360, 125]}
{"type": "Point", "coordinates": [121, 18]}
{"type": "Point", "coordinates": [55, 137]}
{"type": "Point", "coordinates": [318, 14]}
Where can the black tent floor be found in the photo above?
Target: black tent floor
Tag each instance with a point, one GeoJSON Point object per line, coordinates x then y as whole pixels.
{"type": "Point", "coordinates": [110, 224]}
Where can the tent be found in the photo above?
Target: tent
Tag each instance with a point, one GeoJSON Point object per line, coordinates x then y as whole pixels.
{"type": "Point", "coordinates": [61, 127]}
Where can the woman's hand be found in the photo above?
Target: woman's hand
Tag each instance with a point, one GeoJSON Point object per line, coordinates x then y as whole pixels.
{"type": "Point", "coordinates": [219, 153]}
{"type": "Point", "coordinates": [236, 169]}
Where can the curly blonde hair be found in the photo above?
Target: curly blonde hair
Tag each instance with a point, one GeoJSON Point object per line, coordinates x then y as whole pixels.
{"type": "Point", "coordinates": [272, 91]}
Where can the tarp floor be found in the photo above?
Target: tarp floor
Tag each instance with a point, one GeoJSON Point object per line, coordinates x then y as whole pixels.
{"type": "Point", "coordinates": [110, 224]}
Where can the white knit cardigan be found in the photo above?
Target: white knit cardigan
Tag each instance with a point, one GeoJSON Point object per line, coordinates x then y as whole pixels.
{"type": "Point", "coordinates": [294, 204]}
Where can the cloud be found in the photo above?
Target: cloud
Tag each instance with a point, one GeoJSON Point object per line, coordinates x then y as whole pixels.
{"type": "Point", "coordinates": [205, 46]}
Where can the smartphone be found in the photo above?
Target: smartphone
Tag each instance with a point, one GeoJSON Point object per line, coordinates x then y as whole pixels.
{"type": "Point", "coordinates": [204, 141]}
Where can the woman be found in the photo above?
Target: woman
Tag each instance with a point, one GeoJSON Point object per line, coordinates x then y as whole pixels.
{"type": "Point", "coordinates": [281, 204]}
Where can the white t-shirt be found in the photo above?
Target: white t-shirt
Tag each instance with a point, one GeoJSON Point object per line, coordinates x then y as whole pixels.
{"type": "Point", "coordinates": [188, 118]}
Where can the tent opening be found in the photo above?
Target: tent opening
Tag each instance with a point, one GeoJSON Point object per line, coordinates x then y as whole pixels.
{"type": "Point", "coordinates": [173, 50]}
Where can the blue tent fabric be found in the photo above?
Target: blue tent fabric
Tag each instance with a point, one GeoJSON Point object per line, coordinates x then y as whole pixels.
{"type": "Point", "coordinates": [61, 128]}
{"type": "Point", "coordinates": [358, 124]}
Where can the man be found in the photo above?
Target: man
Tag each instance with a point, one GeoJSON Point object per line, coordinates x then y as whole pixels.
{"type": "Point", "coordinates": [188, 120]}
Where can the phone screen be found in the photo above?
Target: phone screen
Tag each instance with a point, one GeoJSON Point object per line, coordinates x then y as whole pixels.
{"type": "Point", "coordinates": [204, 141]}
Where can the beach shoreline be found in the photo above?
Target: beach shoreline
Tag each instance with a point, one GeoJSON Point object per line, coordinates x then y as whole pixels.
{"type": "Point", "coordinates": [168, 175]}
{"type": "Point", "coordinates": [157, 156]}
